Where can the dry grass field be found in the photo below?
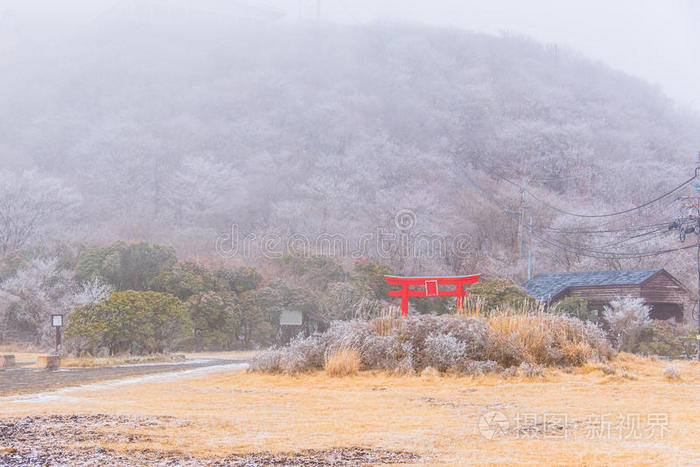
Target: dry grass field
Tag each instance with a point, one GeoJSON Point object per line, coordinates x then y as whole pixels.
{"type": "Point", "coordinates": [583, 416]}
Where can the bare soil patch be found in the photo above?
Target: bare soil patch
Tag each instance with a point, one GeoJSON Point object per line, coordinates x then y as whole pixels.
{"type": "Point", "coordinates": [68, 440]}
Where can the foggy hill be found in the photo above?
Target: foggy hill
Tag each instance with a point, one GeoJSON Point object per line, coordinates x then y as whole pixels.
{"type": "Point", "coordinates": [174, 134]}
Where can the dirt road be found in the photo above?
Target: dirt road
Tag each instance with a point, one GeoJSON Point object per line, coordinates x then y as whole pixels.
{"type": "Point", "coordinates": [29, 381]}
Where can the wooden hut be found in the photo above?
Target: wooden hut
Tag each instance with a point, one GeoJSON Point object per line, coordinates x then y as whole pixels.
{"type": "Point", "coordinates": [659, 289]}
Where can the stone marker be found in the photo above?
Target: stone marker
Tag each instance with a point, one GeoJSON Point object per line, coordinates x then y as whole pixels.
{"type": "Point", "coordinates": [48, 362]}
{"type": "Point", "coordinates": [7, 361]}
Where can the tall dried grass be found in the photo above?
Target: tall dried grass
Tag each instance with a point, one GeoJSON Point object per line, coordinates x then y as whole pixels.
{"type": "Point", "coordinates": [463, 344]}
{"type": "Point", "coordinates": [344, 362]}
{"type": "Point", "coordinates": [473, 307]}
{"type": "Point", "coordinates": [546, 339]}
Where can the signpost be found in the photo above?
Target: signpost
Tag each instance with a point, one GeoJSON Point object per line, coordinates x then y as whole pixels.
{"type": "Point", "coordinates": [57, 322]}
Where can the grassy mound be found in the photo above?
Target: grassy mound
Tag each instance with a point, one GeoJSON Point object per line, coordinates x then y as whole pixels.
{"type": "Point", "coordinates": [502, 341]}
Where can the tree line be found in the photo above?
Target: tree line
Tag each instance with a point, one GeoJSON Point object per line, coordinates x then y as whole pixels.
{"type": "Point", "coordinates": [140, 298]}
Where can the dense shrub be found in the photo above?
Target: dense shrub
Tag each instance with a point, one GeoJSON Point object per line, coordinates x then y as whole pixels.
{"type": "Point", "coordinates": [302, 354]}
{"type": "Point", "coordinates": [216, 320]}
{"type": "Point", "coordinates": [125, 266]}
{"type": "Point", "coordinates": [464, 345]}
{"type": "Point", "coordinates": [368, 276]}
{"type": "Point", "coordinates": [133, 322]}
{"type": "Point", "coordinates": [267, 362]}
{"type": "Point", "coordinates": [575, 307]}
{"type": "Point", "coordinates": [656, 338]}
{"type": "Point", "coordinates": [544, 338]}
{"type": "Point", "coordinates": [184, 280]}
{"type": "Point", "coordinates": [443, 351]}
{"type": "Point", "coordinates": [500, 294]}
{"type": "Point", "coordinates": [240, 280]}
{"type": "Point", "coordinates": [313, 271]}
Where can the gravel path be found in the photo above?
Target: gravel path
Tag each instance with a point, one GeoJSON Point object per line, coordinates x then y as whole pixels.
{"type": "Point", "coordinates": [29, 381]}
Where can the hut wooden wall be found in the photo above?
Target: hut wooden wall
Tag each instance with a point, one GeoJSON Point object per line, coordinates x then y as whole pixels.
{"type": "Point", "coordinates": [601, 295]}
{"type": "Point", "coordinates": [663, 289]}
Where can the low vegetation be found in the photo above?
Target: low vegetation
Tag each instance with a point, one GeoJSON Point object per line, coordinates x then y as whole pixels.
{"type": "Point", "coordinates": [344, 362]}
{"type": "Point", "coordinates": [458, 344]}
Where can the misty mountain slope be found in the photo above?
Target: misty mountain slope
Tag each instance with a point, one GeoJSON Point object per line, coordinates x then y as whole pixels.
{"type": "Point", "coordinates": [176, 135]}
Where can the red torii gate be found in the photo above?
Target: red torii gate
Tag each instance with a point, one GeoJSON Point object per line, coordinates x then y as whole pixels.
{"type": "Point", "coordinates": [432, 288]}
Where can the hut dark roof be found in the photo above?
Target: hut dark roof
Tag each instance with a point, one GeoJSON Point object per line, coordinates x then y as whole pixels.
{"type": "Point", "coordinates": [548, 286]}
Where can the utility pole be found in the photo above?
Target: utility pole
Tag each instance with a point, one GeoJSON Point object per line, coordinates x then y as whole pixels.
{"type": "Point", "coordinates": [697, 231]}
{"type": "Point", "coordinates": [691, 224]}
{"type": "Point", "coordinates": [518, 238]}
{"type": "Point", "coordinates": [529, 251]}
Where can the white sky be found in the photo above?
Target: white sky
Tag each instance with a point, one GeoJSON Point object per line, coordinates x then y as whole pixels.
{"type": "Point", "coordinates": [657, 40]}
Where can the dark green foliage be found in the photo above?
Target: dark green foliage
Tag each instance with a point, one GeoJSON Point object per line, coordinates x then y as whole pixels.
{"type": "Point", "coordinates": [240, 280]}
{"type": "Point", "coordinates": [264, 305]}
{"type": "Point", "coordinates": [430, 305]}
{"type": "Point", "coordinates": [255, 328]}
{"type": "Point", "coordinates": [130, 321]}
{"type": "Point", "coordinates": [575, 307]}
{"type": "Point", "coordinates": [314, 271]}
{"type": "Point", "coordinates": [656, 338]}
{"type": "Point", "coordinates": [125, 266]}
{"type": "Point", "coordinates": [186, 279]}
{"type": "Point", "coordinates": [369, 275]}
{"type": "Point", "coordinates": [501, 293]}
{"type": "Point", "coordinates": [216, 320]}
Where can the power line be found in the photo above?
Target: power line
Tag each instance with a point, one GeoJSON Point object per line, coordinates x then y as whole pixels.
{"type": "Point", "coordinates": [605, 231]}
{"type": "Point", "coordinates": [658, 198]}
{"type": "Point", "coordinates": [582, 251]}
{"type": "Point", "coordinates": [608, 254]}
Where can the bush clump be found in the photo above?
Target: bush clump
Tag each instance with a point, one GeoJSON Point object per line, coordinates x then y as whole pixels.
{"type": "Point", "coordinates": [657, 338]}
{"type": "Point", "coordinates": [500, 294]}
{"type": "Point", "coordinates": [575, 307]}
{"type": "Point", "coordinates": [447, 343]}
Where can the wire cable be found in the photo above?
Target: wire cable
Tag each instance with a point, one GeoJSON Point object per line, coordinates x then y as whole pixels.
{"type": "Point", "coordinates": [611, 214]}
{"type": "Point", "coordinates": [582, 251]}
{"type": "Point", "coordinates": [606, 231]}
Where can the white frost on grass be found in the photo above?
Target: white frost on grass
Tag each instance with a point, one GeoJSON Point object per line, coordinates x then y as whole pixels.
{"type": "Point", "coordinates": [63, 395]}
{"type": "Point", "coordinates": [184, 362]}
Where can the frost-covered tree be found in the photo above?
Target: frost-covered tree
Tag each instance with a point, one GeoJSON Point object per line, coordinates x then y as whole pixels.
{"type": "Point", "coordinates": [30, 205]}
{"type": "Point", "coordinates": [199, 189]}
{"type": "Point", "coordinates": [40, 290]}
{"type": "Point", "coordinates": [625, 316]}
{"type": "Point", "coordinates": [91, 292]}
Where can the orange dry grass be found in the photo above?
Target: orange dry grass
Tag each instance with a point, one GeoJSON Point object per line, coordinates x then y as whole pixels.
{"type": "Point", "coordinates": [436, 417]}
{"type": "Point", "coordinates": [344, 362]}
{"type": "Point", "coordinates": [101, 362]}
{"type": "Point", "coordinates": [532, 333]}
